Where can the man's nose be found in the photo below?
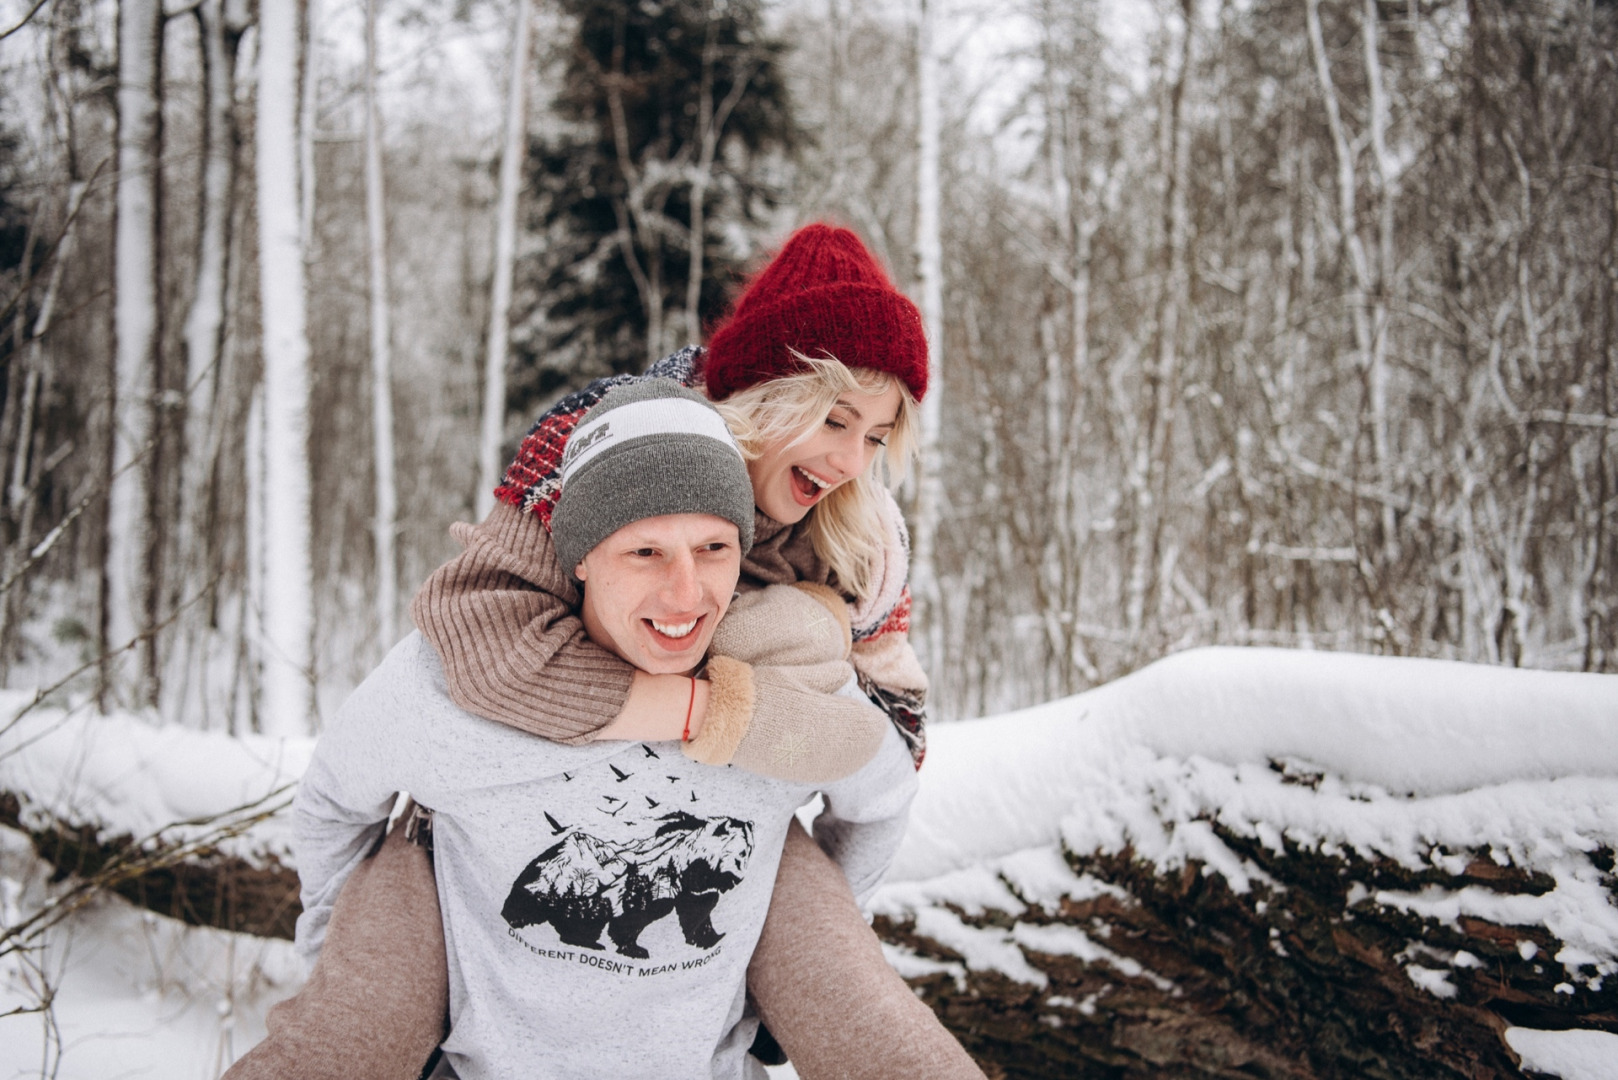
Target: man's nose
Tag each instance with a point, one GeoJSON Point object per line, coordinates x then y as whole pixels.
{"type": "Point", "coordinates": [680, 587]}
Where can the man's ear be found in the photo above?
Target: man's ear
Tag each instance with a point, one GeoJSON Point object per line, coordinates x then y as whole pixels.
{"type": "Point", "coordinates": [578, 571]}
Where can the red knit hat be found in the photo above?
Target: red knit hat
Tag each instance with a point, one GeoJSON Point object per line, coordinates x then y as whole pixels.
{"type": "Point", "coordinates": [822, 295]}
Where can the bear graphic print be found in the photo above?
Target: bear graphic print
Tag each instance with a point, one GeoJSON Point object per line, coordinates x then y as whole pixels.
{"type": "Point", "coordinates": [618, 877]}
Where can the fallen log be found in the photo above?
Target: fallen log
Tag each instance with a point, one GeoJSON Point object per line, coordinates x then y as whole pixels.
{"type": "Point", "coordinates": [1246, 863]}
{"type": "Point", "coordinates": [196, 883]}
{"type": "Point", "coordinates": [189, 824]}
{"type": "Point", "coordinates": [1302, 977]}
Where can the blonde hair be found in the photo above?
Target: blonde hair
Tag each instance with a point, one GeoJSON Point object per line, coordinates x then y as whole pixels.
{"type": "Point", "coordinates": [846, 527]}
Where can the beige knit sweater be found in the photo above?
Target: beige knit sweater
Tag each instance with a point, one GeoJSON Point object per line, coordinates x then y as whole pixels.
{"type": "Point", "coordinates": [503, 618]}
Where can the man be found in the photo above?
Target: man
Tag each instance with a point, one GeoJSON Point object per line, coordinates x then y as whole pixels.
{"type": "Point", "coordinates": [601, 902]}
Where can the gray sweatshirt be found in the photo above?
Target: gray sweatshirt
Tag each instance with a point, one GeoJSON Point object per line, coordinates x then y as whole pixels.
{"type": "Point", "coordinates": [600, 902]}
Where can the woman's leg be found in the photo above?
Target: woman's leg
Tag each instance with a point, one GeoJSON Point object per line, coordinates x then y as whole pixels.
{"type": "Point", "coordinates": [826, 992]}
{"type": "Point", "coordinates": [375, 1005]}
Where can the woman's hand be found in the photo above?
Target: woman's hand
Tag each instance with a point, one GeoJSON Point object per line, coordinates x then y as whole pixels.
{"type": "Point", "coordinates": [785, 626]}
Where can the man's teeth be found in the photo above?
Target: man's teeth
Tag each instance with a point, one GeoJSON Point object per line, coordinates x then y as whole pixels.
{"type": "Point", "coordinates": [674, 630]}
{"type": "Point", "coordinates": [812, 478]}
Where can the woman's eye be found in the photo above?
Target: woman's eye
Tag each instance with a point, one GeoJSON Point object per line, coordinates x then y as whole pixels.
{"type": "Point", "coordinates": [877, 440]}
{"type": "Point", "coordinates": [834, 424]}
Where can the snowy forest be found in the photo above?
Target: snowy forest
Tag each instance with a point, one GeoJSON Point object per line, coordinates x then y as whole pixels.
{"type": "Point", "coordinates": [1288, 325]}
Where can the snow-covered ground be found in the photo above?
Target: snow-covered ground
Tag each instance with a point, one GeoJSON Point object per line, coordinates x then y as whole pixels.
{"type": "Point", "coordinates": [1406, 760]}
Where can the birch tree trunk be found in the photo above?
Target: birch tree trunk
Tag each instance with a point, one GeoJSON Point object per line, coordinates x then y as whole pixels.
{"type": "Point", "coordinates": [306, 126]}
{"type": "Point", "coordinates": [491, 438]}
{"type": "Point", "coordinates": [287, 704]}
{"type": "Point", "coordinates": [1154, 442]}
{"type": "Point", "coordinates": [1367, 294]}
{"type": "Point", "coordinates": [219, 32]}
{"type": "Point", "coordinates": [1377, 362]}
{"type": "Point", "coordinates": [1066, 377]}
{"type": "Point", "coordinates": [248, 706]}
{"type": "Point", "coordinates": [129, 593]}
{"type": "Point", "coordinates": [930, 283]}
{"type": "Point", "coordinates": [383, 526]}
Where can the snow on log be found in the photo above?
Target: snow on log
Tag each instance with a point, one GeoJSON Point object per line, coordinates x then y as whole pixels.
{"type": "Point", "coordinates": [187, 823]}
{"type": "Point", "coordinates": [1253, 862]}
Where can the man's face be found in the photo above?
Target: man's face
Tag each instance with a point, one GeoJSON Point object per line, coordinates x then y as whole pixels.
{"type": "Point", "coordinates": [655, 590]}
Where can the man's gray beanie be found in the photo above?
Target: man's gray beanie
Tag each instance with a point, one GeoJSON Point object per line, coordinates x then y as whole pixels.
{"type": "Point", "coordinates": [648, 448]}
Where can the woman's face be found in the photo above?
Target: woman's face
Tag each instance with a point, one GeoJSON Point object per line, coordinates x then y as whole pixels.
{"type": "Point", "coordinates": [790, 478]}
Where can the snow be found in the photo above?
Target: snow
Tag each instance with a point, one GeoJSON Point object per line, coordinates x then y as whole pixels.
{"type": "Point", "coordinates": [1432, 980]}
{"type": "Point", "coordinates": [1062, 940]}
{"type": "Point", "coordinates": [136, 995]}
{"type": "Point", "coordinates": [129, 775]}
{"type": "Point", "coordinates": [984, 948]}
{"type": "Point", "coordinates": [1394, 725]}
{"type": "Point", "coordinates": [1416, 761]}
{"type": "Point", "coordinates": [1572, 1055]}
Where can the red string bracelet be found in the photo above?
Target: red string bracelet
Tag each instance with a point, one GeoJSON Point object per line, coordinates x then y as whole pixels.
{"type": "Point", "coordinates": [685, 736]}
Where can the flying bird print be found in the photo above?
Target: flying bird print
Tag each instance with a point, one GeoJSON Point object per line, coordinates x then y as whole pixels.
{"type": "Point", "coordinates": [622, 776]}
{"type": "Point", "coordinates": [556, 827]}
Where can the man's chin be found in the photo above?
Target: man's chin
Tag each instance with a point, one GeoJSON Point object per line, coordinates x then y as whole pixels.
{"type": "Point", "coordinates": [657, 661]}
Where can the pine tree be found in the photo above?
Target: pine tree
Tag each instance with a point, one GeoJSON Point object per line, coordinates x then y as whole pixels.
{"type": "Point", "coordinates": [662, 99]}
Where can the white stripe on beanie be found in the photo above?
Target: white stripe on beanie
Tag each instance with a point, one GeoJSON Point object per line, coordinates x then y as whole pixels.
{"type": "Point", "coordinates": [638, 419]}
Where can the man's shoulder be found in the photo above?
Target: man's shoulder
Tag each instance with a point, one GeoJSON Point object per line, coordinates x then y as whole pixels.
{"type": "Point", "coordinates": [410, 677]}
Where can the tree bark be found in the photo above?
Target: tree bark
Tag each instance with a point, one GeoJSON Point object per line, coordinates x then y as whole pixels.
{"type": "Point", "coordinates": [219, 30]}
{"type": "Point", "coordinates": [512, 151]}
{"type": "Point", "coordinates": [930, 284]}
{"type": "Point", "coordinates": [307, 116]}
{"type": "Point", "coordinates": [129, 585]}
{"type": "Point", "coordinates": [1303, 980]}
{"type": "Point", "coordinates": [1153, 448]}
{"type": "Point", "coordinates": [386, 493]}
{"type": "Point", "coordinates": [287, 704]}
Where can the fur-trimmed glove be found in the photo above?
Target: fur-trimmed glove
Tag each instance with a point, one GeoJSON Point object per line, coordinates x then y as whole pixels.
{"type": "Point", "coordinates": [777, 661]}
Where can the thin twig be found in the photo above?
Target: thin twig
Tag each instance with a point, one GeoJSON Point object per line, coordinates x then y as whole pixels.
{"type": "Point", "coordinates": [151, 631]}
{"type": "Point", "coordinates": [95, 488]}
{"type": "Point", "coordinates": [56, 244]}
{"type": "Point", "coordinates": [26, 19]}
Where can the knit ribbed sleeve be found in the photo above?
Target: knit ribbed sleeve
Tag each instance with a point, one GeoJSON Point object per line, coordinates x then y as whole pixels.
{"type": "Point", "coordinates": [503, 618]}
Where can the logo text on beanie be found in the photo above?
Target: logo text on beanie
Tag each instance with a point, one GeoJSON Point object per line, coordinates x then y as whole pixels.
{"type": "Point", "coordinates": [658, 419]}
{"type": "Point", "coordinates": [582, 442]}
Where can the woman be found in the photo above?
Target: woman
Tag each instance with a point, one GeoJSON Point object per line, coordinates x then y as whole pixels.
{"type": "Point", "coordinates": [817, 371]}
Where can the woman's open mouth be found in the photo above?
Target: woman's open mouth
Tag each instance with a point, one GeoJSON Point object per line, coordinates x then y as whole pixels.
{"type": "Point", "coordinates": [807, 488]}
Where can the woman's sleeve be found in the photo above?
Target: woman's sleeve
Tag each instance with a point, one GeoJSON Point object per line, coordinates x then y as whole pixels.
{"type": "Point", "coordinates": [503, 618]}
